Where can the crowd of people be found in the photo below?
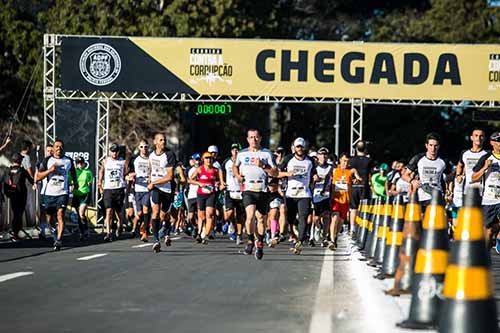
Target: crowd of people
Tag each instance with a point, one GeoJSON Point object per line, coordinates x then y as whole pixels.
{"type": "Point", "coordinates": [256, 197]}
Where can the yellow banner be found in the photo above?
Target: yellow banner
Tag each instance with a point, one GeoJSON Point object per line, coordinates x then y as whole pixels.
{"type": "Point", "coordinates": [330, 69]}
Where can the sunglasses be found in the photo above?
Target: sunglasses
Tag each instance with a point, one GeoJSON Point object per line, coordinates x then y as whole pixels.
{"type": "Point", "coordinates": [141, 147]}
{"type": "Point", "coordinates": [301, 147]}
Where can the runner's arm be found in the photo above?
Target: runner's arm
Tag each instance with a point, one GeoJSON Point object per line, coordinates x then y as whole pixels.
{"type": "Point", "coordinates": [480, 168]}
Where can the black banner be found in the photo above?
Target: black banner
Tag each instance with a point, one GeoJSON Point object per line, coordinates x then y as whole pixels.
{"type": "Point", "coordinates": [114, 64]}
{"type": "Point", "coordinates": [76, 125]}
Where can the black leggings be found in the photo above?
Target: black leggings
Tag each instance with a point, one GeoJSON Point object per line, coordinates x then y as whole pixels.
{"type": "Point", "coordinates": [302, 206]}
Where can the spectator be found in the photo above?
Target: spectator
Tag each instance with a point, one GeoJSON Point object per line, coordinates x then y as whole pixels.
{"type": "Point", "coordinates": [15, 189]}
{"type": "Point", "coordinates": [25, 152]}
{"type": "Point", "coordinates": [379, 182]}
{"type": "Point", "coordinates": [6, 143]}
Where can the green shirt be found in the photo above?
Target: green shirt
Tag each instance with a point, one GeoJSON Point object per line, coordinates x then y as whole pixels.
{"type": "Point", "coordinates": [84, 177]}
{"type": "Point", "coordinates": [378, 185]}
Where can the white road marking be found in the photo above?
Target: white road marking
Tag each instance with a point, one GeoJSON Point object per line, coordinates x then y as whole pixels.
{"type": "Point", "coordinates": [11, 276]}
{"type": "Point", "coordinates": [141, 245]}
{"type": "Point", "coordinates": [321, 320]}
{"type": "Point", "coordinates": [93, 256]}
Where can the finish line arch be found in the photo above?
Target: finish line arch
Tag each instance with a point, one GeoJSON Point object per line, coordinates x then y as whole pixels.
{"type": "Point", "coordinates": [107, 69]}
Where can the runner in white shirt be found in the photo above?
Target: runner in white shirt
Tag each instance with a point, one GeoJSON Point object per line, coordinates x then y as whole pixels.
{"type": "Point", "coordinates": [321, 194]}
{"type": "Point", "coordinates": [252, 167]}
{"type": "Point", "coordinates": [468, 159]}
{"type": "Point", "coordinates": [488, 170]}
{"type": "Point", "coordinates": [139, 171]}
{"type": "Point", "coordinates": [233, 206]}
{"type": "Point", "coordinates": [430, 170]}
{"type": "Point", "coordinates": [57, 169]}
{"type": "Point", "coordinates": [299, 170]}
{"type": "Point", "coordinates": [192, 195]}
{"type": "Point", "coordinates": [112, 185]}
{"type": "Point", "coordinates": [161, 162]}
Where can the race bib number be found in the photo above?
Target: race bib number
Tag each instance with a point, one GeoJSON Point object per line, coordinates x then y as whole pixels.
{"type": "Point", "coordinates": [298, 192]}
{"type": "Point", "coordinates": [341, 186]}
{"type": "Point", "coordinates": [235, 195]}
{"type": "Point", "coordinates": [57, 183]}
{"type": "Point", "coordinates": [207, 189]}
{"type": "Point", "coordinates": [255, 186]}
{"type": "Point", "coordinates": [275, 203]}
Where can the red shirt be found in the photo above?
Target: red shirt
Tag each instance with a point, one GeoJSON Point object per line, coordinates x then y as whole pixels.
{"type": "Point", "coordinates": [208, 177]}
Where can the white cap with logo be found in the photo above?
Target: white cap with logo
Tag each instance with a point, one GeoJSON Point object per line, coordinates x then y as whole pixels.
{"type": "Point", "coordinates": [213, 149]}
{"type": "Point", "coordinates": [299, 142]}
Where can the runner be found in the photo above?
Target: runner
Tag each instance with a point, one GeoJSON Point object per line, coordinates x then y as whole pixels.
{"type": "Point", "coordinates": [342, 181]}
{"type": "Point", "coordinates": [139, 170]}
{"type": "Point", "coordinates": [112, 185]}
{"type": "Point", "coordinates": [192, 195]}
{"type": "Point", "coordinates": [463, 175]}
{"type": "Point", "coordinates": [488, 170]}
{"type": "Point", "coordinates": [275, 202]}
{"type": "Point", "coordinates": [429, 168]}
{"type": "Point", "coordinates": [299, 170]}
{"type": "Point", "coordinates": [161, 162]}
{"type": "Point", "coordinates": [402, 185]}
{"type": "Point", "coordinates": [57, 169]}
{"type": "Point", "coordinates": [252, 167]}
{"type": "Point", "coordinates": [81, 195]}
{"type": "Point", "coordinates": [206, 177]}
{"type": "Point", "coordinates": [363, 164]}
{"type": "Point", "coordinates": [233, 206]}
{"type": "Point", "coordinates": [49, 151]}
{"type": "Point", "coordinates": [321, 194]}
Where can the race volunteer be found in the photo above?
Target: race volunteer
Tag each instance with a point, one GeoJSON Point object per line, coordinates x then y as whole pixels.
{"type": "Point", "coordinates": [299, 170]}
{"type": "Point", "coordinates": [57, 169]}
{"type": "Point", "coordinates": [252, 167]}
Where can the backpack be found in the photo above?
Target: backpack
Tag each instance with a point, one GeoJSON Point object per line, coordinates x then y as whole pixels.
{"type": "Point", "coordinates": [11, 184]}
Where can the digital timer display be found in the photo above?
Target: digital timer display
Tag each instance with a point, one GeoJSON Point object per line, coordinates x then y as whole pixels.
{"type": "Point", "coordinates": [213, 109]}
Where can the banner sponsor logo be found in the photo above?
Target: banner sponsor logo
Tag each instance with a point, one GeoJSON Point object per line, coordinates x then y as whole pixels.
{"type": "Point", "coordinates": [100, 64]}
{"type": "Point", "coordinates": [206, 65]}
{"type": "Point", "coordinates": [494, 71]}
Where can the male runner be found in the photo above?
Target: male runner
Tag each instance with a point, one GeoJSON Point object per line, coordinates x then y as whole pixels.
{"type": "Point", "coordinates": [321, 194]}
{"type": "Point", "coordinates": [252, 167]}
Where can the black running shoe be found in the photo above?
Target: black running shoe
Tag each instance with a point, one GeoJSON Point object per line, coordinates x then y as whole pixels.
{"type": "Point", "coordinates": [107, 238]}
{"type": "Point", "coordinates": [312, 243]}
{"type": "Point", "coordinates": [57, 245]}
{"type": "Point", "coordinates": [259, 251]}
{"type": "Point", "coordinates": [198, 239]}
{"type": "Point", "coordinates": [249, 248]}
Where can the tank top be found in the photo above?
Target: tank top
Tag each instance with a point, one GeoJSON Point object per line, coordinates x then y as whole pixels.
{"type": "Point", "coordinates": [341, 185]}
{"type": "Point", "coordinates": [207, 177]}
{"type": "Point", "coordinates": [113, 174]}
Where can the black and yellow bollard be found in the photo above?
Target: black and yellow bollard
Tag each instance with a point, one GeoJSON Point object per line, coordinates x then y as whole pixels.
{"type": "Point", "coordinates": [363, 230]}
{"type": "Point", "coordinates": [394, 239]}
{"type": "Point", "coordinates": [372, 238]}
{"type": "Point", "coordinates": [412, 231]}
{"type": "Point", "coordinates": [469, 305]}
{"type": "Point", "coordinates": [383, 231]}
{"type": "Point", "coordinates": [430, 266]}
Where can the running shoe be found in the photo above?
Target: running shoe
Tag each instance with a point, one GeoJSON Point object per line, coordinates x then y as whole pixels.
{"type": "Point", "coordinates": [273, 242]}
{"type": "Point", "coordinates": [259, 251]}
{"type": "Point", "coordinates": [107, 237]}
{"type": "Point", "coordinates": [297, 249]}
{"type": "Point", "coordinates": [204, 241]}
{"type": "Point", "coordinates": [232, 236]}
{"type": "Point", "coordinates": [57, 245]}
{"type": "Point", "coordinates": [317, 234]}
{"type": "Point", "coordinates": [332, 246]}
{"type": "Point", "coordinates": [324, 243]}
{"type": "Point", "coordinates": [312, 243]}
{"type": "Point", "coordinates": [118, 232]}
{"type": "Point", "coordinates": [168, 242]}
{"type": "Point", "coordinates": [497, 245]}
{"type": "Point", "coordinates": [238, 240]}
{"type": "Point", "coordinates": [282, 238]}
{"type": "Point", "coordinates": [249, 248]}
{"type": "Point", "coordinates": [144, 238]}
{"type": "Point", "coordinates": [156, 247]}
{"type": "Point", "coordinates": [199, 239]}
{"type": "Point", "coordinates": [225, 228]}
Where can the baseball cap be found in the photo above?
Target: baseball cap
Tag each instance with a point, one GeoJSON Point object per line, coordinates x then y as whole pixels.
{"type": "Point", "coordinates": [299, 142]}
{"type": "Point", "coordinates": [206, 155]}
{"type": "Point", "coordinates": [280, 149]}
{"type": "Point", "coordinates": [196, 156]}
{"type": "Point", "coordinates": [236, 145]}
{"type": "Point", "coordinates": [113, 148]}
{"type": "Point", "coordinates": [313, 154]}
{"type": "Point", "coordinates": [323, 150]}
{"type": "Point", "coordinates": [384, 166]}
{"type": "Point", "coordinates": [79, 159]}
{"type": "Point", "coordinates": [213, 149]}
{"type": "Point", "coordinates": [495, 137]}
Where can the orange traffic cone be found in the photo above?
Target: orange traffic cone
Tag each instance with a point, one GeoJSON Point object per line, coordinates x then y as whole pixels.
{"type": "Point", "coordinates": [373, 228]}
{"type": "Point", "coordinates": [412, 231]}
{"type": "Point", "coordinates": [469, 305]}
{"type": "Point", "coordinates": [383, 230]}
{"type": "Point", "coordinates": [363, 230]}
{"type": "Point", "coordinates": [394, 239]}
{"type": "Point", "coordinates": [430, 266]}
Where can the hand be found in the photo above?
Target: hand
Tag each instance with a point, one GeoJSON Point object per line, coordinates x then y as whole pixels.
{"type": "Point", "coordinates": [8, 139]}
{"type": "Point", "coordinates": [52, 168]}
{"type": "Point", "coordinates": [222, 187]}
{"type": "Point", "coordinates": [416, 183]}
{"type": "Point", "coordinates": [99, 186]}
{"type": "Point", "coordinates": [459, 179]}
{"type": "Point", "coordinates": [241, 179]}
{"type": "Point", "coordinates": [316, 178]}
{"type": "Point", "coordinates": [150, 187]}
{"type": "Point", "coordinates": [33, 187]}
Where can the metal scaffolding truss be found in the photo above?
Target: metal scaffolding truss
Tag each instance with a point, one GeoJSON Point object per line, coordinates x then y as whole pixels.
{"type": "Point", "coordinates": [52, 94]}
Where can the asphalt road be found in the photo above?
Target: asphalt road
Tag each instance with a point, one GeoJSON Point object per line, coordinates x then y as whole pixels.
{"type": "Point", "coordinates": [123, 287]}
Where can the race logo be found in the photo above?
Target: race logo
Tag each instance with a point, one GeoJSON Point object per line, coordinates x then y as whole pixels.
{"type": "Point", "coordinates": [494, 71]}
{"type": "Point", "coordinates": [100, 64]}
{"type": "Point", "coordinates": [207, 65]}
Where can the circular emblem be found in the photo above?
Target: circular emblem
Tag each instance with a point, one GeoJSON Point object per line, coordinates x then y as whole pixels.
{"type": "Point", "coordinates": [100, 64]}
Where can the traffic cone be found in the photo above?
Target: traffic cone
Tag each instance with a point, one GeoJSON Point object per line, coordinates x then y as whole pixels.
{"type": "Point", "coordinates": [430, 266]}
{"type": "Point", "coordinates": [375, 222]}
{"type": "Point", "coordinates": [363, 230]}
{"type": "Point", "coordinates": [412, 231]}
{"type": "Point", "coordinates": [383, 230]}
{"type": "Point", "coordinates": [394, 239]}
{"type": "Point", "coordinates": [469, 304]}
